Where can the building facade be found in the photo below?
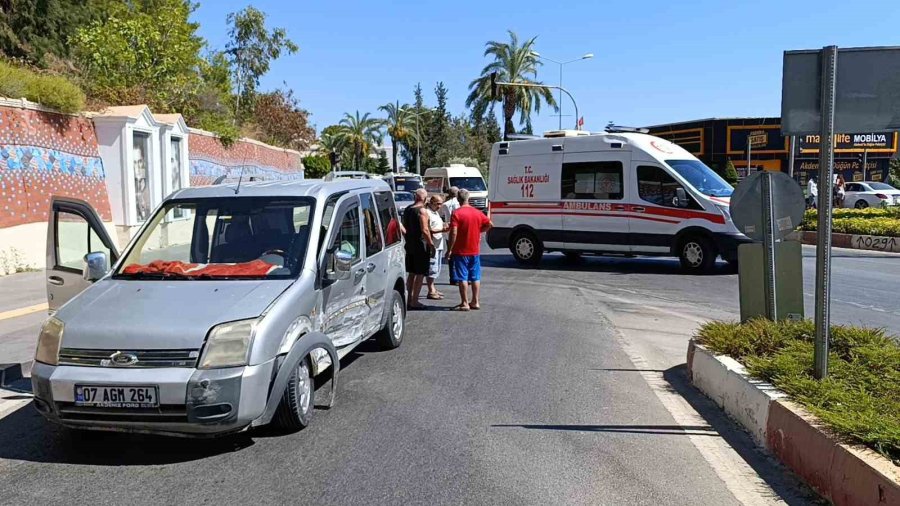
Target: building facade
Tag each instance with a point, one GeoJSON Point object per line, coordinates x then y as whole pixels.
{"type": "Point", "coordinates": [757, 144]}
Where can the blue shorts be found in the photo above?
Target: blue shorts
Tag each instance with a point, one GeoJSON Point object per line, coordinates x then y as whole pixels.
{"type": "Point", "coordinates": [466, 268]}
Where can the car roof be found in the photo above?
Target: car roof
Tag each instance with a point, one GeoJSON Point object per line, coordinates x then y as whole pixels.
{"type": "Point", "coordinates": [315, 188]}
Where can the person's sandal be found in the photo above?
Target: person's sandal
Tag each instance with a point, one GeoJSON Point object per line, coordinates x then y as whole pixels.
{"type": "Point", "coordinates": [434, 296]}
{"type": "Point", "coordinates": [459, 307]}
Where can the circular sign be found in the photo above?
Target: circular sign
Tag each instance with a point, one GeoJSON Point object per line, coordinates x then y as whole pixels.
{"type": "Point", "coordinates": [747, 205]}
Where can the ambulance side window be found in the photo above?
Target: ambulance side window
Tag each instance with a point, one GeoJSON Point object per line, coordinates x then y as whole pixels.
{"type": "Point", "coordinates": [656, 186]}
{"type": "Point", "coordinates": [592, 181]}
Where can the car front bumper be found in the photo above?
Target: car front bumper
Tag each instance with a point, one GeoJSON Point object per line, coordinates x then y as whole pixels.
{"type": "Point", "coordinates": [191, 401]}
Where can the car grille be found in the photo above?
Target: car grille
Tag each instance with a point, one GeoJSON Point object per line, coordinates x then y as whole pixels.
{"type": "Point", "coordinates": [480, 202]}
{"type": "Point", "coordinates": [164, 414]}
{"type": "Point", "coordinates": [145, 358]}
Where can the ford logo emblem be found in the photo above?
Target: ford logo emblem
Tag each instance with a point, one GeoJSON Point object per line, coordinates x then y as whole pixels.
{"type": "Point", "coordinates": [123, 359]}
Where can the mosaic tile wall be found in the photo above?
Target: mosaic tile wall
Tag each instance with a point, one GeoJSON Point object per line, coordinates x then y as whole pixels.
{"type": "Point", "coordinates": [209, 160]}
{"type": "Point", "coordinates": [44, 154]}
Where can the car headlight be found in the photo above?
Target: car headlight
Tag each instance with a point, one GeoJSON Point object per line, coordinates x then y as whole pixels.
{"type": "Point", "coordinates": [49, 340]}
{"type": "Point", "coordinates": [228, 344]}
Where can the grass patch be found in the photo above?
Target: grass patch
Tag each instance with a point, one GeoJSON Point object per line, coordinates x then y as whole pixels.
{"type": "Point", "coordinates": [860, 399]}
{"type": "Point", "coordinates": [871, 221]}
{"type": "Point", "coordinates": [51, 91]}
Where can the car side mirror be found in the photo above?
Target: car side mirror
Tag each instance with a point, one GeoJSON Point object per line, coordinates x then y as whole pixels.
{"type": "Point", "coordinates": [339, 263]}
{"type": "Point", "coordinates": [96, 265]}
{"type": "Point", "coordinates": [681, 198]}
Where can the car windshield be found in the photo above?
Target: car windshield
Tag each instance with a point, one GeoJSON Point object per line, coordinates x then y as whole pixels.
{"type": "Point", "coordinates": [881, 186]}
{"type": "Point", "coordinates": [701, 177]}
{"type": "Point", "coordinates": [222, 238]}
{"type": "Point", "coordinates": [473, 184]}
{"type": "Point", "coordinates": [409, 184]}
{"type": "Point", "coordinates": [403, 197]}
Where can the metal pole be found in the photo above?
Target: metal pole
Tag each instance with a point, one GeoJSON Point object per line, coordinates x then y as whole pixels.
{"type": "Point", "coordinates": [865, 161]}
{"type": "Point", "coordinates": [560, 97]}
{"type": "Point", "coordinates": [749, 149]}
{"type": "Point", "coordinates": [792, 156]}
{"type": "Point", "coordinates": [823, 249]}
{"type": "Point", "coordinates": [418, 143]}
{"type": "Point", "coordinates": [769, 244]}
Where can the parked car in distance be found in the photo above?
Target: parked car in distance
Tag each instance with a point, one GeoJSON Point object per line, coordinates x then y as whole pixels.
{"type": "Point", "coordinates": [403, 181]}
{"type": "Point", "coordinates": [403, 200]}
{"type": "Point", "coordinates": [870, 194]}
{"type": "Point", "coordinates": [223, 309]}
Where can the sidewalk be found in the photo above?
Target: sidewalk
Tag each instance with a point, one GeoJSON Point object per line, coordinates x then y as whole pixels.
{"type": "Point", "coordinates": [23, 308]}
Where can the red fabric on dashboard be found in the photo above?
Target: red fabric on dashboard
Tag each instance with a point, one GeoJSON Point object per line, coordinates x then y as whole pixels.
{"type": "Point", "coordinates": [252, 268]}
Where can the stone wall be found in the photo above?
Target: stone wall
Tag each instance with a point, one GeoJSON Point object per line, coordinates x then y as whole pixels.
{"type": "Point", "coordinates": [44, 154]}
{"type": "Point", "coordinates": [210, 160]}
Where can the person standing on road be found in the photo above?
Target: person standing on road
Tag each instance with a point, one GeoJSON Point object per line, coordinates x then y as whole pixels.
{"type": "Point", "coordinates": [466, 226]}
{"type": "Point", "coordinates": [437, 227]}
{"type": "Point", "coordinates": [812, 192]}
{"type": "Point", "coordinates": [419, 247]}
{"type": "Point", "coordinates": [450, 204]}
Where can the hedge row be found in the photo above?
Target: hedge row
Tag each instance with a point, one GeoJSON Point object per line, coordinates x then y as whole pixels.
{"type": "Point", "coordinates": [859, 400]}
{"type": "Point", "coordinates": [880, 222]}
{"type": "Point", "coordinates": [50, 91]}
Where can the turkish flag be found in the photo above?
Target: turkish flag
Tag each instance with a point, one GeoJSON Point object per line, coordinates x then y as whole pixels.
{"type": "Point", "coordinates": [581, 122]}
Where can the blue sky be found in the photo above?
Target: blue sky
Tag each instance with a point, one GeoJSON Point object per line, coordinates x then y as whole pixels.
{"type": "Point", "coordinates": [655, 61]}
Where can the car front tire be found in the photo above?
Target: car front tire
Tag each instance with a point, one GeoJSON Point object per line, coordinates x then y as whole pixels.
{"type": "Point", "coordinates": [697, 254]}
{"type": "Point", "coordinates": [296, 407]}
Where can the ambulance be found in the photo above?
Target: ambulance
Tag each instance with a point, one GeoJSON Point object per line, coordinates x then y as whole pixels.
{"type": "Point", "coordinates": [618, 192]}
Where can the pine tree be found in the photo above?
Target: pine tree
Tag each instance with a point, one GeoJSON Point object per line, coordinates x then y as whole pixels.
{"type": "Point", "coordinates": [731, 174]}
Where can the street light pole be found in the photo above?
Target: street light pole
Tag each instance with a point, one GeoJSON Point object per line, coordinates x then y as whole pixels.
{"type": "Point", "coordinates": [586, 56]}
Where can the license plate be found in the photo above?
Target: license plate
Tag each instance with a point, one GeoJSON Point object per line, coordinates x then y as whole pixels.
{"type": "Point", "coordinates": [111, 396]}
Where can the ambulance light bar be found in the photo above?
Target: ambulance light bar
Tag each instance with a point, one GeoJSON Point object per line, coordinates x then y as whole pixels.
{"type": "Point", "coordinates": [625, 129]}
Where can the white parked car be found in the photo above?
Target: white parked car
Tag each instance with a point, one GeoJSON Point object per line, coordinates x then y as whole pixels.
{"type": "Point", "coordinates": [870, 194]}
{"type": "Point", "coordinates": [403, 200]}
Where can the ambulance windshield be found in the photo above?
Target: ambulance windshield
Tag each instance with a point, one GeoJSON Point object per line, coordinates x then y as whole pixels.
{"type": "Point", "coordinates": [701, 177]}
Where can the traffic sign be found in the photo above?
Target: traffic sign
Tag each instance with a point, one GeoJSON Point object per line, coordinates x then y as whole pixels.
{"type": "Point", "coordinates": [747, 206]}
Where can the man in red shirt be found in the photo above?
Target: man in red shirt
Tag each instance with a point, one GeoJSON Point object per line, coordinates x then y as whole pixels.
{"type": "Point", "coordinates": [466, 226]}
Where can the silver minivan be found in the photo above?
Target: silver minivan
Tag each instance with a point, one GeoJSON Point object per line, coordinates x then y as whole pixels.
{"type": "Point", "coordinates": [223, 308]}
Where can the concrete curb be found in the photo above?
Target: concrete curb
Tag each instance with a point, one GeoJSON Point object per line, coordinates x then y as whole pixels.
{"type": "Point", "coordinates": [843, 474]}
{"type": "Point", "coordinates": [852, 241]}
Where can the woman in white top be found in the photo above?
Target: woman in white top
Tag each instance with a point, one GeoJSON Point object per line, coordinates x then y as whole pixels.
{"type": "Point", "coordinates": [438, 228]}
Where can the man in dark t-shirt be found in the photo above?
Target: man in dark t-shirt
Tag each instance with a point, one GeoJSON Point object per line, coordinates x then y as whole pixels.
{"type": "Point", "coordinates": [466, 226]}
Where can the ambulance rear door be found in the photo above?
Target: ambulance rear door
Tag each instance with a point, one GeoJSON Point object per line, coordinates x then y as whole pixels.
{"type": "Point", "coordinates": [525, 190]}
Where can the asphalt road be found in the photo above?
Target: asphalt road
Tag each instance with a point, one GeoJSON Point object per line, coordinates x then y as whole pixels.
{"type": "Point", "coordinates": [567, 388]}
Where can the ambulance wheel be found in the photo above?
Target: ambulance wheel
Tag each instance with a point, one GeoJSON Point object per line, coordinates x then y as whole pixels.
{"type": "Point", "coordinates": [697, 254]}
{"type": "Point", "coordinates": [526, 248]}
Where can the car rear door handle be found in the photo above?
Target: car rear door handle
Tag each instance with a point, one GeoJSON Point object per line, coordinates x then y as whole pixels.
{"type": "Point", "coordinates": [56, 280]}
{"type": "Point", "coordinates": [370, 267]}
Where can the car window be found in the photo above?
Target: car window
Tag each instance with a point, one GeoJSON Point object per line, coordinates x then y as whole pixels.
{"type": "Point", "coordinates": [657, 186]}
{"type": "Point", "coordinates": [390, 221]}
{"type": "Point", "coordinates": [592, 180]}
{"type": "Point", "coordinates": [347, 239]}
{"type": "Point", "coordinates": [853, 187]}
{"type": "Point", "coordinates": [374, 242]}
{"type": "Point", "coordinates": [75, 239]}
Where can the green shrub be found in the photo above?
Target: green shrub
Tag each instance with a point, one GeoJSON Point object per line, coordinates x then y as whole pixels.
{"type": "Point", "coordinates": [55, 92]}
{"type": "Point", "coordinates": [860, 399]}
{"type": "Point", "coordinates": [870, 221]}
{"type": "Point", "coordinates": [316, 167]}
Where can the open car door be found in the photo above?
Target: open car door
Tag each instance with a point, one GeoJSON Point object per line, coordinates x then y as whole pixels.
{"type": "Point", "coordinates": [74, 231]}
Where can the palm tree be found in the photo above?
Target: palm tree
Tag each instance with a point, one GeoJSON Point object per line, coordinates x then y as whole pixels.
{"type": "Point", "coordinates": [331, 145]}
{"type": "Point", "coordinates": [514, 63]}
{"type": "Point", "coordinates": [400, 124]}
{"type": "Point", "coordinates": [361, 133]}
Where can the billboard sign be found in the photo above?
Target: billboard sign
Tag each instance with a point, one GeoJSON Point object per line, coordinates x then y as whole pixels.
{"type": "Point", "coordinates": [763, 139]}
{"type": "Point", "coordinates": [867, 97]}
{"type": "Point", "coordinates": [873, 142]}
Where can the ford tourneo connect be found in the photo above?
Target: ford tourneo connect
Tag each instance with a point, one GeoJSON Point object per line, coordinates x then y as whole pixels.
{"type": "Point", "coordinates": [222, 309]}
